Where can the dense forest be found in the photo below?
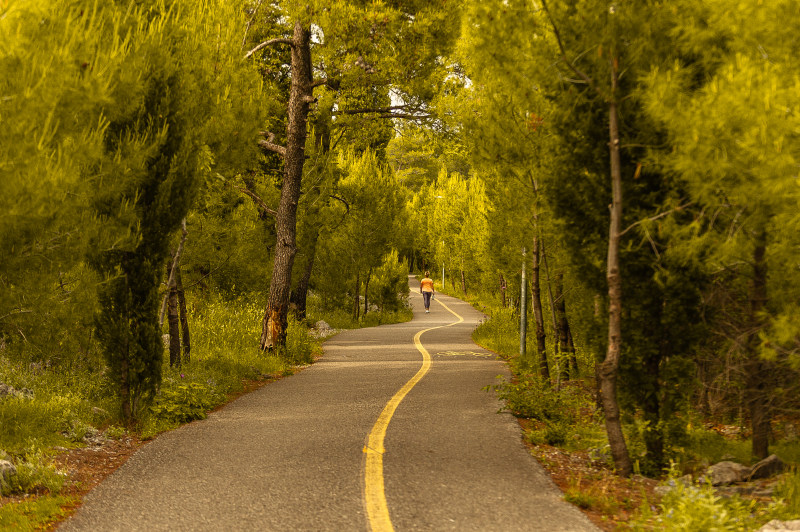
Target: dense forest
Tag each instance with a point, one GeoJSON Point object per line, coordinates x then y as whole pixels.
{"type": "Point", "coordinates": [188, 186]}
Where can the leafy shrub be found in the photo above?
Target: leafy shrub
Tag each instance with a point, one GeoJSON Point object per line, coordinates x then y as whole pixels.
{"type": "Point", "coordinates": [184, 402]}
{"type": "Point", "coordinates": [698, 507]}
{"type": "Point", "coordinates": [34, 473]}
{"type": "Point", "coordinates": [788, 492]}
{"type": "Point", "coordinates": [389, 284]}
{"type": "Point", "coordinates": [500, 333]}
{"type": "Point", "coordinates": [531, 399]}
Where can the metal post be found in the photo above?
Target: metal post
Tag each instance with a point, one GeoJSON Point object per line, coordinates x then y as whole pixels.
{"type": "Point", "coordinates": [523, 310]}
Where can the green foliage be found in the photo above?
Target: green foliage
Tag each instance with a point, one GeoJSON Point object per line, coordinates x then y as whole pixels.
{"type": "Point", "coordinates": [700, 508]}
{"type": "Point", "coordinates": [500, 332]}
{"type": "Point", "coordinates": [24, 422]}
{"type": "Point", "coordinates": [34, 473]}
{"type": "Point", "coordinates": [788, 492]}
{"type": "Point", "coordinates": [36, 514]}
{"type": "Point", "coordinates": [182, 402]}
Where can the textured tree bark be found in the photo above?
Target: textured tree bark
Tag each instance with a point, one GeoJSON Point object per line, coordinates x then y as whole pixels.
{"type": "Point", "coordinates": [573, 359]}
{"type": "Point", "coordinates": [562, 330]}
{"type": "Point", "coordinates": [552, 301]}
{"type": "Point", "coordinates": [274, 324]}
{"type": "Point", "coordinates": [357, 298]}
{"type": "Point", "coordinates": [608, 369]}
{"type": "Point", "coordinates": [174, 326]}
{"type": "Point", "coordinates": [184, 316]}
{"type": "Point", "coordinates": [463, 283]}
{"type": "Point", "coordinates": [299, 296]}
{"type": "Point", "coordinates": [538, 315]}
{"type": "Point", "coordinates": [366, 291]}
{"type": "Point", "coordinates": [758, 370]}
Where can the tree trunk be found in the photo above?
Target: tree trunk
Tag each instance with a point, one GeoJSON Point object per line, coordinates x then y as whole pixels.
{"type": "Point", "coordinates": [758, 370]}
{"type": "Point", "coordinates": [503, 289]}
{"type": "Point", "coordinates": [184, 316]}
{"type": "Point", "coordinates": [556, 345]}
{"type": "Point", "coordinates": [562, 331]}
{"type": "Point", "coordinates": [357, 298]}
{"type": "Point", "coordinates": [463, 283]}
{"type": "Point", "coordinates": [573, 359]}
{"type": "Point", "coordinates": [274, 324]}
{"type": "Point", "coordinates": [366, 291]}
{"type": "Point", "coordinates": [299, 296]}
{"type": "Point", "coordinates": [174, 326]}
{"type": "Point", "coordinates": [610, 366]}
{"type": "Point", "coordinates": [538, 315]}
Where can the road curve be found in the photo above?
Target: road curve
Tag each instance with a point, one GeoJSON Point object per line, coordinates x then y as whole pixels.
{"type": "Point", "coordinates": [294, 454]}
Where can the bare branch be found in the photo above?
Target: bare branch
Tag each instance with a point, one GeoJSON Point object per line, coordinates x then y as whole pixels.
{"type": "Point", "coordinates": [268, 43]}
{"type": "Point", "coordinates": [656, 217]}
{"type": "Point", "coordinates": [257, 200]}
{"type": "Point", "coordinates": [270, 145]}
{"type": "Point", "coordinates": [586, 79]}
{"type": "Point", "coordinates": [370, 110]}
{"type": "Point", "coordinates": [250, 22]}
{"type": "Point", "coordinates": [330, 83]}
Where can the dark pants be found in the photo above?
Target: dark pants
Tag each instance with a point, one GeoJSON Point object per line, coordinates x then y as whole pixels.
{"type": "Point", "coordinates": [426, 297]}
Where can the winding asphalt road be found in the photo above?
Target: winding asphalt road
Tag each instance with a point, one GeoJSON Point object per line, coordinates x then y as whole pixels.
{"type": "Point", "coordinates": [384, 432]}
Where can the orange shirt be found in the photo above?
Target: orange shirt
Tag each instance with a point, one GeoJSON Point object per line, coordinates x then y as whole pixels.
{"type": "Point", "coordinates": [427, 285]}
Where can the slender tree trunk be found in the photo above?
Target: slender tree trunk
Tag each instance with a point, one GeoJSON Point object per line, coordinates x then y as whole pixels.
{"type": "Point", "coordinates": [299, 296]}
{"type": "Point", "coordinates": [758, 370]}
{"type": "Point", "coordinates": [503, 289]}
{"type": "Point", "coordinates": [463, 283]}
{"type": "Point", "coordinates": [274, 324]}
{"type": "Point", "coordinates": [573, 358]}
{"type": "Point", "coordinates": [556, 345]}
{"type": "Point", "coordinates": [174, 327]}
{"type": "Point", "coordinates": [357, 298]}
{"type": "Point", "coordinates": [562, 331]}
{"type": "Point", "coordinates": [366, 291]}
{"type": "Point", "coordinates": [184, 316]}
{"type": "Point", "coordinates": [609, 368]}
{"type": "Point", "coordinates": [538, 315]}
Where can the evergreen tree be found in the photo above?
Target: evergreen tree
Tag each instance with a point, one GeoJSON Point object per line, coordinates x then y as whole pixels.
{"type": "Point", "coordinates": [735, 149]}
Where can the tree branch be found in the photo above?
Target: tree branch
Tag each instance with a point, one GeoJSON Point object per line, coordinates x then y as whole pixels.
{"type": "Point", "coordinates": [250, 22]}
{"type": "Point", "coordinates": [330, 83]}
{"type": "Point", "coordinates": [656, 217]}
{"type": "Point", "coordinates": [586, 79]}
{"type": "Point", "coordinates": [268, 43]}
{"type": "Point", "coordinates": [270, 145]}
{"type": "Point", "coordinates": [257, 200]}
{"type": "Point", "coordinates": [370, 110]}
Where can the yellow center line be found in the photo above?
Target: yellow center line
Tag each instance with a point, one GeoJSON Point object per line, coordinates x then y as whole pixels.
{"type": "Point", "coordinates": [374, 496]}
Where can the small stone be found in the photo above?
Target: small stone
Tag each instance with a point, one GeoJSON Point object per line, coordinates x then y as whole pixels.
{"type": "Point", "coordinates": [726, 473]}
{"type": "Point", "coordinates": [768, 467]}
{"type": "Point", "coordinates": [6, 470]}
{"type": "Point", "coordinates": [662, 489]}
{"type": "Point", "coordinates": [776, 525]}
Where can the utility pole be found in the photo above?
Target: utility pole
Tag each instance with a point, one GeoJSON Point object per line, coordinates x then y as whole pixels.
{"type": "Point", "coordinates": [523, 310]}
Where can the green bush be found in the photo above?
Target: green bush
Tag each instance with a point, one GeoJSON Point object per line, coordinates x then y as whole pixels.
{"type": "Point", "coordinates": [34, 473]}
{"type": "Point", "coordinates": [698, 507]}
{"type": "Point", "coordinates": [185, 401]}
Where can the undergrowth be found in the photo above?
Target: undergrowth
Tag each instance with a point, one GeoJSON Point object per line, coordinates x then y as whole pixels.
{"type": "Point", "coordinates": [566, 415]}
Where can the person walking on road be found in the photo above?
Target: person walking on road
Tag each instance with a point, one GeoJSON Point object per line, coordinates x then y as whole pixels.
{"type": "Point", "coordinates": [427, 290]}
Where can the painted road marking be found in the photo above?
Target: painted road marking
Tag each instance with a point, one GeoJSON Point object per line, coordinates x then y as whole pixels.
{"type": "Point", "coordinates": [463, 354]}
{"type": "Point", "coordinates": [374, 495]}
